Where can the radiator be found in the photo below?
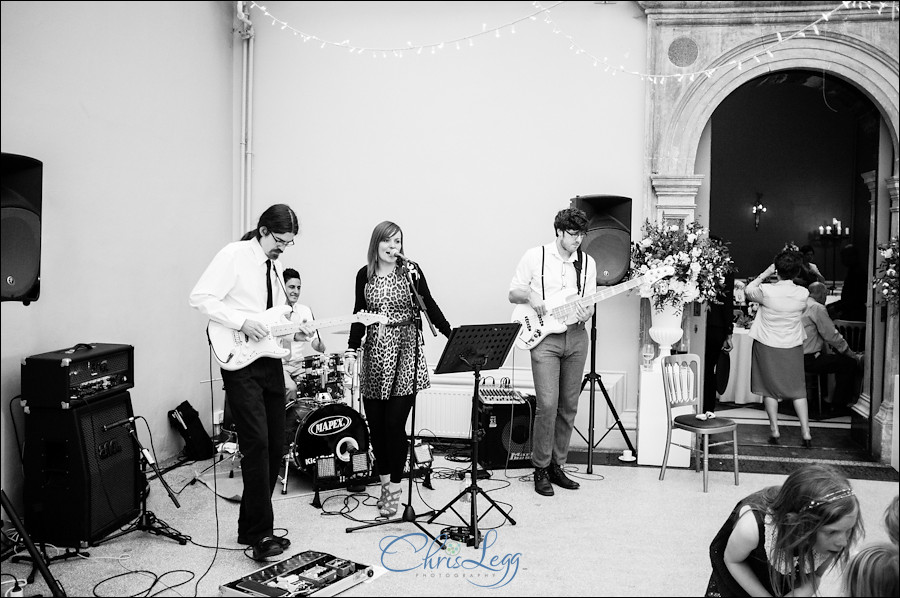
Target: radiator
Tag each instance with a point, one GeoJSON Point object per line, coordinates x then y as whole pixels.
{"type": "Point", "coordinates": [445, 409]}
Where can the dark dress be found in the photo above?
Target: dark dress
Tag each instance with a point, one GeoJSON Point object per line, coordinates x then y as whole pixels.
{"type": "Point", "coordinates": [721, 583]}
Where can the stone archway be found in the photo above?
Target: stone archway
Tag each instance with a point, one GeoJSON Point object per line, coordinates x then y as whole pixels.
{"type": "Point", "coordinates": [734, 42]}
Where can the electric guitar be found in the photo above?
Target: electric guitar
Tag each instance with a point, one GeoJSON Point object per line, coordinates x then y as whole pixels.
{"type": "Point", "coordinates": [234, 350]}
{"type": "Point", "coordinates": [560, 306]}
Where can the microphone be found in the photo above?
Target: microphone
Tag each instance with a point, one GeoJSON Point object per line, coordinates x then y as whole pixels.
{"type": "Point", "coordinates": [402, 258]}
{"type": "Point", "coordinates": [121, 422]}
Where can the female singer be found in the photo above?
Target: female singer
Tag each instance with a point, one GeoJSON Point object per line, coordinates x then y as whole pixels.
{"type": "Point", "coordinates": [393, 365]}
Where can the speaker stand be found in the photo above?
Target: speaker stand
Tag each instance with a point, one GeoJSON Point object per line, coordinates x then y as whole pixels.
{"type": "Point", "coordinates": [593, 378]}
{"type": "Point", "coordinates": [39, 559]}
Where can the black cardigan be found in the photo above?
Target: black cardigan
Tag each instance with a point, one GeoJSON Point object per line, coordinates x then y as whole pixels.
{"type": "Point", "coordinates": [357, 330]}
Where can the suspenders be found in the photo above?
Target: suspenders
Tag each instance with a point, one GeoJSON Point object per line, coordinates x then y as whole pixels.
{"type": "Point", "coordinates": [578, 268]}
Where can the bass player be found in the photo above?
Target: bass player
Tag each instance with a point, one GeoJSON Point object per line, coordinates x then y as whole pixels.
{"type": "Point", "coordinates": [557, 362]}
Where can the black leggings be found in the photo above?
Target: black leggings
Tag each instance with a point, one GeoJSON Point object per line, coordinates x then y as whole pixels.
{"type": "Point", "coordinates": [387, 426]}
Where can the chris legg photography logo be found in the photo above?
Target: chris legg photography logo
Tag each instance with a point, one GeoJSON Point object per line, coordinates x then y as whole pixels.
{"type": "Point", "coordinates": [417, 552]}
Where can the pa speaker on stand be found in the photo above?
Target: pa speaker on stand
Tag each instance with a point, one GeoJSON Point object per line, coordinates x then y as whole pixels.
{"type": "Point", "coordinates": [608, 241]}
{"type": "Point", "coordinates": [20, 225]}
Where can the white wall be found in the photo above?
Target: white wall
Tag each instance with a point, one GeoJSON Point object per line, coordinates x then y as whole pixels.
{"type": "Point", "coordinates": [130, 109]}
{"type": "Point", "coordinates": [133, 109]}
{"type": "Point", "coordinates": [472, 151]}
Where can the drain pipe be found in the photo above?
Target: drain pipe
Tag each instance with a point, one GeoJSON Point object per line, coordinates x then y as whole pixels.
{"type": "Point", "coordinates": [246, 141]}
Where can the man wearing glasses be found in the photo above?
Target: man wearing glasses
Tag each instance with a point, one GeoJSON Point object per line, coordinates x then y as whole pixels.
{"type": "Point", "coordinates": [243, 280]}
{"type": "Point", "coordinates": [557, 361]}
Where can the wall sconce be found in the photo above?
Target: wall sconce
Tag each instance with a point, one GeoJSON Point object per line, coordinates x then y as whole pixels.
{"type": "Point", "coordinates": [758, 209]}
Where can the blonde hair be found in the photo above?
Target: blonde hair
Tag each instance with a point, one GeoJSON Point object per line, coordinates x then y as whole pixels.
{"type": "Point", "coordinates": [873, 571]}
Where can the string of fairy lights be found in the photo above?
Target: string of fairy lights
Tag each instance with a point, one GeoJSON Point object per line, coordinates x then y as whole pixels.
{"type": "Point", "coordinates": [543, 13]}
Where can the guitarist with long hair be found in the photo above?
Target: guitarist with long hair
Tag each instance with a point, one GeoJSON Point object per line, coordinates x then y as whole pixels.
{"type": "Point", "coordinates": [557, 361]}
{"type": "Point", "coordinates": [244, 279]}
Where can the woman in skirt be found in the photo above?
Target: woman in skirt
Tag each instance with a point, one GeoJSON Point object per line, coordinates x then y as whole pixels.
{"type": "Point", "coordinates": [777, 333]}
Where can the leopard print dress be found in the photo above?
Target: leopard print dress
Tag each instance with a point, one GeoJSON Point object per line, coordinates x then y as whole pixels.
{"type": "Point", "coordinates": [389, 351]}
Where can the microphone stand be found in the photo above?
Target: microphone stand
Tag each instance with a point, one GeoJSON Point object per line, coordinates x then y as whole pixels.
{"type": "Point", "coordinates": [409, 513]}
{"type": "Point", "coordinates": [148, 522]}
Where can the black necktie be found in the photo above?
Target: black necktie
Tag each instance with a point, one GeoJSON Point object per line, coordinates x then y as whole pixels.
{"type": "Point", "coordinates": [268, 284]}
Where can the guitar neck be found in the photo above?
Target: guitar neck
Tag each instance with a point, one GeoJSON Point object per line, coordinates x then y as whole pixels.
{"type": "Point", "coordinates": [562, 312]}
{"type": "Point", "coordinates": [286, 328]}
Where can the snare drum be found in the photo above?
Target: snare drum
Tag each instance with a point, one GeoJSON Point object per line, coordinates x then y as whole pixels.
{"type": "Point", "coordinates": [316, 429]}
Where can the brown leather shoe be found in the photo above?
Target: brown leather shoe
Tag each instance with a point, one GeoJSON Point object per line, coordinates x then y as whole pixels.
{"type": "Point", "coordinates": [542, 481]}
{"type": "Point", "coordinates": [559, 477]}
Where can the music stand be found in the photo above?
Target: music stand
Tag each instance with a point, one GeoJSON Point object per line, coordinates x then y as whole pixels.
{"type": "Point", "coordinates": [476, 348]}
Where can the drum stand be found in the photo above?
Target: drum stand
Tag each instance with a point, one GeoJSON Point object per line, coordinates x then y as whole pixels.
{"type": "Point", "coordinates": [409, 513]}
{"type": "Point", "coordinates": [476, 348]}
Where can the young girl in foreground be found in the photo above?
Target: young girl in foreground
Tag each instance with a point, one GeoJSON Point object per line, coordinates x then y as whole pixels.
{"type": "Point", "coordinates": [781, 540]}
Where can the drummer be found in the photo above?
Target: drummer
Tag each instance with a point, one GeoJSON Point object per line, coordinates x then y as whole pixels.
{"type": "Point", "coordinates": [293, 361]}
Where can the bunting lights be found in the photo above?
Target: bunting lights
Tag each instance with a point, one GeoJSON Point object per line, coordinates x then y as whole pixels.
{"type": "Point", "coordinates": [541, 12]}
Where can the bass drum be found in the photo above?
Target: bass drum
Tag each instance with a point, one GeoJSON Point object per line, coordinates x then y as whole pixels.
{"type": "Point", "coordinates": [316, 429]}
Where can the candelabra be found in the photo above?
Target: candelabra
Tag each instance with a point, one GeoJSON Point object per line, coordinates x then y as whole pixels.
{"type": "Point", "coordinates": [831, 235]}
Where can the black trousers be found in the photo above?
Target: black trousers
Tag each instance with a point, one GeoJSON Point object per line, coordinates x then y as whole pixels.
{"type": "Point", "coordinates": [715, 338]}
{"type": "Point", "coordinates": [844, 370]}
{"type": "Point", "coordinates": [387, 427]}
{"type": "Point", "coordinates": [255, 395]}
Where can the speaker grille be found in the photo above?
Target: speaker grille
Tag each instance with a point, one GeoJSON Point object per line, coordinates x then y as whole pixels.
{"type": "Point", "coordinates": [20, 230]}
{"type": "Point", "coordinates": [611, 249]}
{"type": "Point", "coordinates": [81, 483]}
{"type": "Point", "coordinates": [110, 458]}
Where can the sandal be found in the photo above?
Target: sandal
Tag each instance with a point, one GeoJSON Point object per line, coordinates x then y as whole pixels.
{"type": "Point", "coordinates": [391, 503]}
{"type": "Point", "coordinates": [384, 495]}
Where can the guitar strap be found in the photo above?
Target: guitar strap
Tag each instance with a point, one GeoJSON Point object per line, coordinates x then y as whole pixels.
{"type": "Point", "coordinates": [578, 272]}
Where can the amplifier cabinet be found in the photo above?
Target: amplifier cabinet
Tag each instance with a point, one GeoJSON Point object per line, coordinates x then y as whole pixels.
{"type": "Point", "coordinates": [507, 439]}
{"type": "Point", "coordinates": [77, 375]}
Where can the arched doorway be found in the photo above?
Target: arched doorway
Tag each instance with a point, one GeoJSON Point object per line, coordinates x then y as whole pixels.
{"type": "Point", "coordinates": [734, 46]}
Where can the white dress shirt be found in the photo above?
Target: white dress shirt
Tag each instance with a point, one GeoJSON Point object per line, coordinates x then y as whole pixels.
{"type": "Point", "coordinates": [558, 274]}
{"type": "Point", "coordinates": [233, 287]}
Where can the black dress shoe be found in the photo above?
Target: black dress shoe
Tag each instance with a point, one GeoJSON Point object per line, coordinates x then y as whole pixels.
{"type": "Point", "coordinates": [807, 443]}
{"type": "Point", "coordinates": [542, 481]}
{"type": "Point", "coordinates": [266, 548]}
{"type": "Point", "coordinates": [774, 440]}
{"type": "Point", "coordinates": [559, 477]}
{"type": "Point", "coordinates": [282, 541]}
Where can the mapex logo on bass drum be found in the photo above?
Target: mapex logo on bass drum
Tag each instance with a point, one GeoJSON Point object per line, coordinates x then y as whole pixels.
{"type": "Point", "coordinates": [330, 425]}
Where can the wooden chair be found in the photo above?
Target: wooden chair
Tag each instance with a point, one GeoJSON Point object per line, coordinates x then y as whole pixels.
{"type": "Point", "coordinates": [853, 332]}
{"type": "Point", "coordinates": [681, 383]}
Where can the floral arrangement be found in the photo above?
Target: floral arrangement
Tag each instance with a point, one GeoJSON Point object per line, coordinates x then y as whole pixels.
{"type": "Point", "coordinates": [886, 284]}
{"type": "Point", "coordinates": [700, 264]}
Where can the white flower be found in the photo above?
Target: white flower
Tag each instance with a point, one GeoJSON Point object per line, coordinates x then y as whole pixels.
{"type": "Point", "coordinates": [691, 238]}
{"type": "Point", "coordinates": [647, 242]}
{"type": "Point", "coordinates": [695, 267]}
{"type": "Point", "coordinates": [888, 253]}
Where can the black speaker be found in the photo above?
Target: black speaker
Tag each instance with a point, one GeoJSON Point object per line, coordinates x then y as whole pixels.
{"type": "Point", "coordinates": [608, 239]}
{"type": "Point", "coordinates": [81, 482]}
{"type": "Point", "coordinates": [20, 225]}
{"type": "Point", "coordinates": [507, 440]}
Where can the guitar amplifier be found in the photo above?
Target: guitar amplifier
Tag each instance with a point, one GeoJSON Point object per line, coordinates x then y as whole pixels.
{"type": "Point", "coordinates": [75, 376]}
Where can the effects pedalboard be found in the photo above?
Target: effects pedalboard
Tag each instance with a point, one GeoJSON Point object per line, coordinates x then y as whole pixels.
{"type": "Point", "coordinates": [308, 573]}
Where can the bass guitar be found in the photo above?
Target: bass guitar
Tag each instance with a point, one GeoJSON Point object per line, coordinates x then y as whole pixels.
{"type": "Point", "coordinates": [233, 349]}
{"type": "Point", "coordinates": [560, 306]}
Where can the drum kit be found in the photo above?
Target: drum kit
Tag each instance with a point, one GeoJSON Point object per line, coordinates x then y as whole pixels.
{"type": "Point", "coordinates": [321, 424]}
